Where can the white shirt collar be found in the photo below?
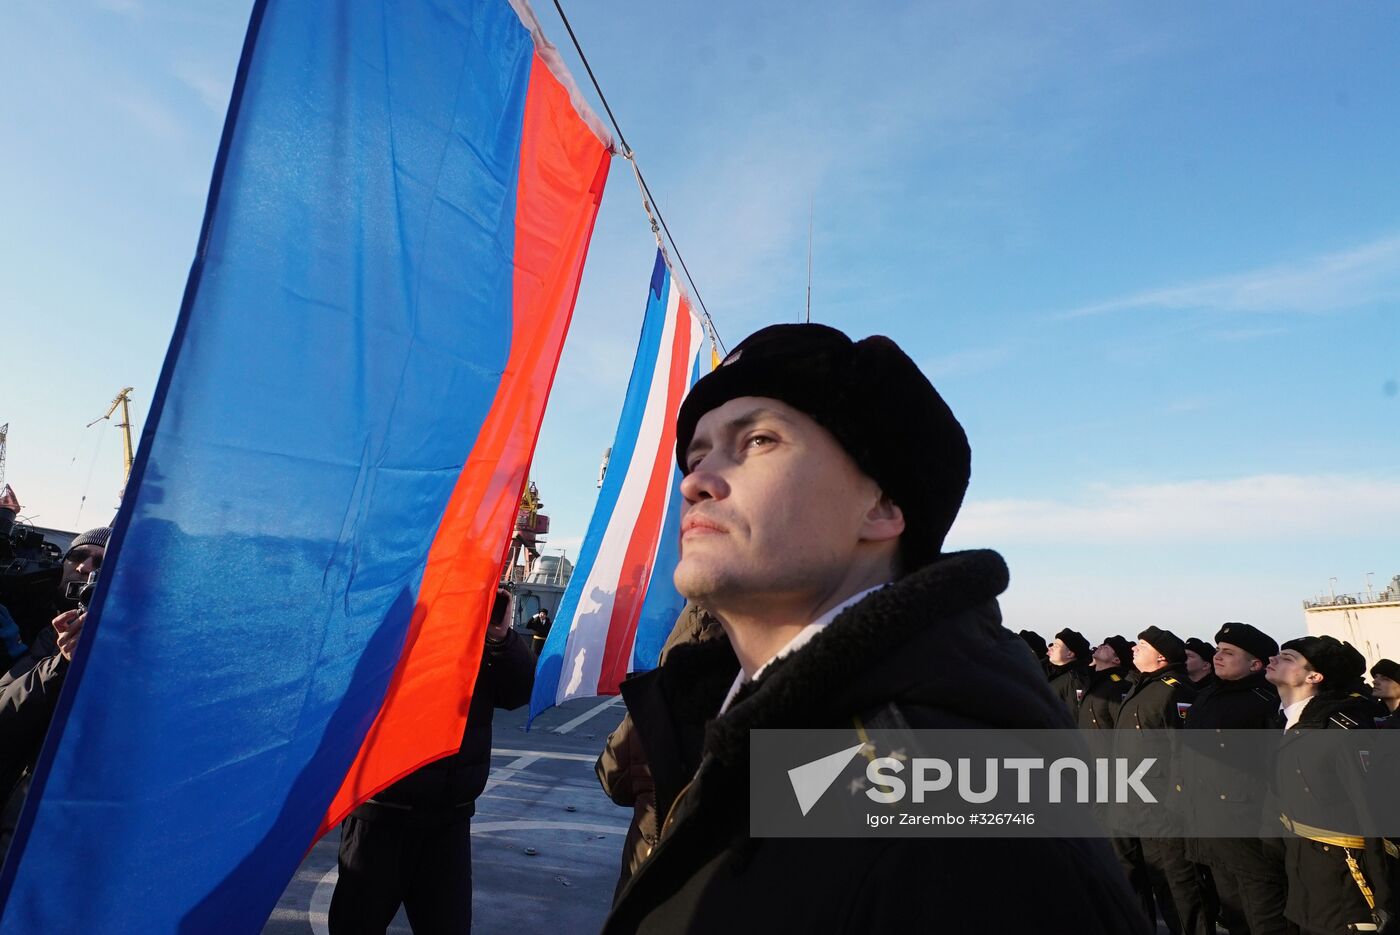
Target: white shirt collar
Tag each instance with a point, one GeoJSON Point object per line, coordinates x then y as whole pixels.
{"type": "Point", "coordinates": [1294, 711]}
{"type": "Point", "coordinates": [803, 637]}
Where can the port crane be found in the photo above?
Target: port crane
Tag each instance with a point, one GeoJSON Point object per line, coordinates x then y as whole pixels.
{"type": "Point", "coordinates": [123, 399]}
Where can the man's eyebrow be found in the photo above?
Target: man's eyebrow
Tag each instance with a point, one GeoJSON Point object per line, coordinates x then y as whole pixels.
{"type": "Point", "coordinates": [739, 423]}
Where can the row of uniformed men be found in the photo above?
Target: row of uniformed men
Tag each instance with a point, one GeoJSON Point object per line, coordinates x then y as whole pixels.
{"type": "Point", "coordinates": [1314, 879]}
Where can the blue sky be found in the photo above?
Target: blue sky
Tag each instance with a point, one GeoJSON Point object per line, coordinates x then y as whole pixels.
{"type": "Point", "coordinates": [1150, 255]}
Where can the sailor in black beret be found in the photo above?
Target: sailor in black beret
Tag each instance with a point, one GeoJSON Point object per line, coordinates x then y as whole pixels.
{"type": "Point", "coordinates": [1159, 699]}
{"type": "Point", "coordinates": [1331, 664]}
{"type": "Point", "coordinates": [1039, 647]}
{"type": "Point", "coordinates": [1122, 650]}
{"type": "Point", "coordinates": [1199, 654]}
{"type": "Point", "coordinates": [1385, 686]}
{"type": "Point", "coordinates": [1162, 642]}
{"type": "Point", "coordinates": [1222, 782]}
{"type": "Point", "coordinates": [1248, 638]}
{"type": "Point", "coordinates": [1070, 653]}
{"type": "Point", "coordinates": [1331, 883]}
{"type": "Point", "coordinates": [1106, 685]}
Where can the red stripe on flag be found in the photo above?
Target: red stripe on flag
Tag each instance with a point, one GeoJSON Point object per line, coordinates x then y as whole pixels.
{"type": "Point", "coordinates": [641, 549]}
{"type": "Point", "coordinates": [563, 168]}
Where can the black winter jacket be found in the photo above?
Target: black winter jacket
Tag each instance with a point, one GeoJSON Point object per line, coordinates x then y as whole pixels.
{"type": "Point", "coordinates": [449, 786]}
{"type": "Point", "coordinates": [1147, 725]}
{"type": "Point", "coordinates": [1223, 780]}
{"type": "Point", "coordinates": [1070, 685]}
{"type": "Point", "coordinates": [928, 648]}
{"type": "Point", "coordinates": [1103, 694]}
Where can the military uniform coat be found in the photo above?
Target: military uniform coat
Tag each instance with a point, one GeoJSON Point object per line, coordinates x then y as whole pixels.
{"type": "Point", "coordinates": [1224, 779]}
{"type": "Point", "coordinates": [1098, 710]}
{"type": "Point", "coordinates": [1312, 778]}
{"type": "Point", "coordinates": [1157, 702]}
{"type": "Point", "coordinates": [1070, 685]}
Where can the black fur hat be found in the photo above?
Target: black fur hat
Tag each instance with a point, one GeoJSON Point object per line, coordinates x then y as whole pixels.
{"type": "Point", "coordinates": [1123, 648]}
{"type": "Point", "coordinates": [1035, 641]}
{"type": "Point", "coordinates": [1201, 648]}
{"type": "Point", "coordinates": [868, 394]}
{"type": "Point", "coordinates": [1251, 639]}
{"type": "Point", "coordinates": [1165, 642]}
{"type": "Point", "coordinates": [1387, 668]}
{"type": "Point", "coordinates": [1076, 643]}
{"type": "Point", "coordinates": [1339, 663]}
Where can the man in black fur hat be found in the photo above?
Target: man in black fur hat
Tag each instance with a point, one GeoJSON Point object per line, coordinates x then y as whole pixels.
{"type": "Point", "coordinates": [1319, 685]}
{"type": "Point", "coordinates": [820, 478]}
{"type": "Point", "coordinates": [1070, 652]}
{"type": "Point", "coordinates": [1038, 647]}
{"type": "Point", "coordinates": [1154, 857]}
{"type": "Point", "coordinates": [1385, 687]}
{"type": "Point", "coordinates": [1108, 683]}
{"type": "Point", "coordinates": [1200, 663]}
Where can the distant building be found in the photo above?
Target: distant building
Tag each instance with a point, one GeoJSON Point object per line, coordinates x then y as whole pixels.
{"type": "Point", "coordinates": [1368, 621]}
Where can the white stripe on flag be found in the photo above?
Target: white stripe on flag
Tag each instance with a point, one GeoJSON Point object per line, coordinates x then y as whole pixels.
{"type": "Point", "coordinates": [583, 652]}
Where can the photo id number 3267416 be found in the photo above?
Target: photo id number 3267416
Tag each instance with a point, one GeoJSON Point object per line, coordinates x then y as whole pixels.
{"type": "Point", "coordinates": [1001, 818]}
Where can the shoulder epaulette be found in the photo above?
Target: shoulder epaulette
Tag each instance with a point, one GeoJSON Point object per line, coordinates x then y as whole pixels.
{"type": "Point", "coordinates": [1170, 681]}
{"type": "Point", "coordinates": [1265, 695]}
{"type": "Point", "coordinates": [1342, 721]}
{"type": "Point", "coordinates": [1115, 677]}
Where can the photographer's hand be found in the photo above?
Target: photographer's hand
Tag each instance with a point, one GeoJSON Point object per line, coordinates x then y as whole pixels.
{"type": "Point", "coordinates": [68, 625]}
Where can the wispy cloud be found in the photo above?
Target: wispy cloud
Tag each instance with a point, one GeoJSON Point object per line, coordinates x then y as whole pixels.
{"type": "Point", "coordinates": [212, 88]}
{"type": "Point", "coordinates": [1331, 282]}
{"type": "Point", "coordinates": [966, 362]}
{"type": "Point", "coordinates": [149, 114]}
{"type": "Point", "coordinates": [1240, 335]}
{"type": "Point", "coordinates": [1246, 509]}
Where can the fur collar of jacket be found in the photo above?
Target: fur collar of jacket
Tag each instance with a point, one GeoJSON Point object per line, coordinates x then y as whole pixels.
{"type": "Point", "coordinates": [932, 640]}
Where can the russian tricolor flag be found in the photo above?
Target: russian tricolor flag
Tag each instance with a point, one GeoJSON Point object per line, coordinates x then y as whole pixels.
{"type": "Point", "coordinates": [620, 604]}
{"type": "Point", "coordinates": [296, 590]}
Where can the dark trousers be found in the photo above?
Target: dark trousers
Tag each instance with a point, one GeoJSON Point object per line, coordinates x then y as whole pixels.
{"type": "Point", "coordinates": [1176, 886]}
{"type": "Point", "coordinates": [426, 867]}
{"type": "Point", "coordinates": [1129, 853]}
{"type": "Point", "coordinates": [1252, 904]}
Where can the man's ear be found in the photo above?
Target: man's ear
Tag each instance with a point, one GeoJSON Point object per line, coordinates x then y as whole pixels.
{"type": "Point", "coordinates": [884, 521]}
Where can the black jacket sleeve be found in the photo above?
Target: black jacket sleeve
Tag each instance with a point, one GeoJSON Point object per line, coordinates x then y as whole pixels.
{"type": "Point", "coordinates": [26, 708]}
{"type": "Point", "coordinates": [507, 672]}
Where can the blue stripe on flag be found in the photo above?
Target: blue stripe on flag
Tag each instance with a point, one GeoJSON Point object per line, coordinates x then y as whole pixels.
{"type": "Point", "coordinates": [549, 670]}
{"type": "Point", "coordinates": [342, 335]}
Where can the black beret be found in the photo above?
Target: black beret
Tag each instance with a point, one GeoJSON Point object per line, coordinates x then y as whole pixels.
{"type": "Point", "coordinates": [1249, 638]}
{"type": "Point", "coordinates": [1339, 664]}
{"type": "Point", "coordinates": [1035, 641]}
{"type": "Point", "coordinates": [1165, 642]}
{"type": "Point", "coordinates": [1388, 668]}
{"type": "Point", "coordinates": [1201, 648]}
{"type": "Point", "coordinates": [1122, 647]}
{"type": "Point", "coordinates": [868, 394]}
{"type": "Point", "coordinates": [1075, 642]}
